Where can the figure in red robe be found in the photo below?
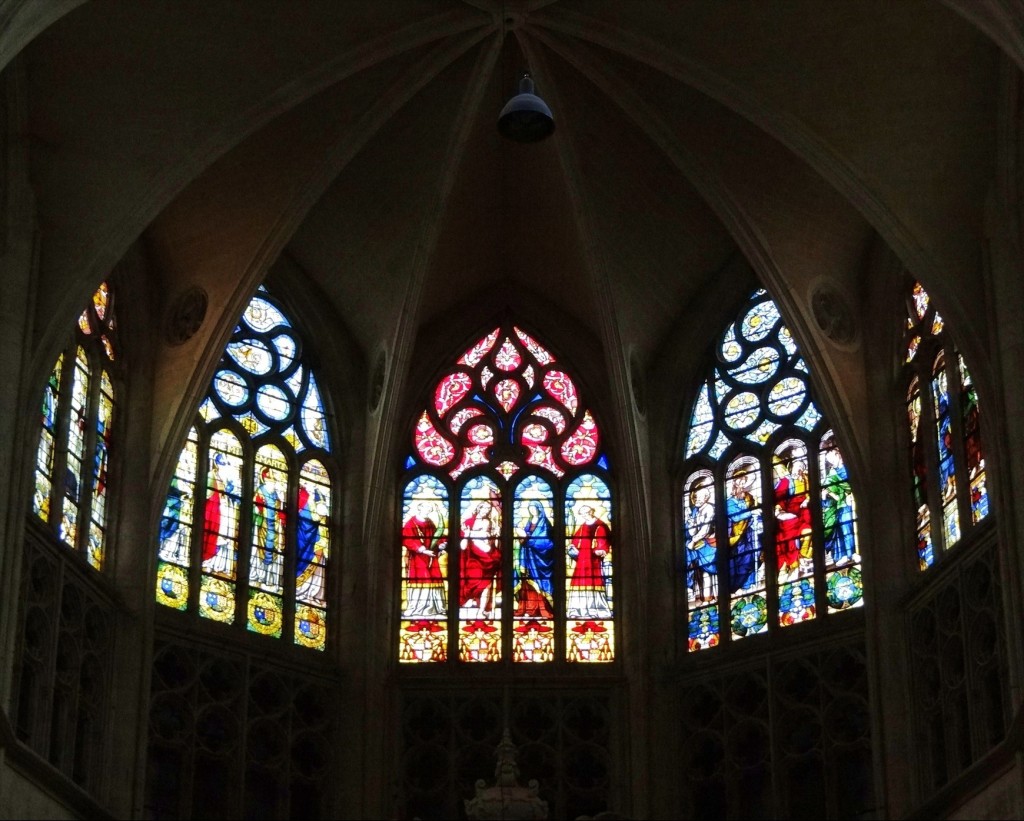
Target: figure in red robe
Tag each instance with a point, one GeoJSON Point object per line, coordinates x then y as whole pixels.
{"type": "Point", "coordinates": [792, 514]}
{"type": "Point", "coordinates": [481, 560]}
{"type": "Point", "coordinates": [589, 548]}
{"type": "Point", "coordinates": [219, 521]}
{"type": "Point", "coordinates": [424, 585]}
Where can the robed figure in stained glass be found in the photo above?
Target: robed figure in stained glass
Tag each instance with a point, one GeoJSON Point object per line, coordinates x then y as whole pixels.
{"type": "Point", "coordinates": [172, 534]}
{"type": "Point", "coordinates": [423, 550]}
{"type": "Point", "coordinates": [309, 561]}
{"type": "Point", "coordinates": [837, 508]}
{"type": "Point", "coordinates": [744, 532]}
{"type": "Point", "coordinates": [590, 544]}
{"type": "Point", "coordinates": [947, 466]}
{"type": "Point", "coordinates": [481, 559]}
{"type": "Point", "coordinates": [268, 522]}
{"type": "Point", "coordinates": [701, 546]}
{"type": "Point", "coordinates": [972, 444]}
{"type": "Point", "coordinates": [100, 458]}
{"type": "Point", "coordinates": [535, 565]}
{"type": "Point", "coordinates": [78, 423]}
{"type": "Point", "coordinates": [218, 518]}
{"type": "Point", "coordinates": [792, 512]}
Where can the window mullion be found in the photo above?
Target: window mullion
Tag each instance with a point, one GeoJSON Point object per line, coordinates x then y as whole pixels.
{"type": "Point", "coordinates": [817, 528]}
{"type": "Point", "coordinates": [454, 571]}
{"type": "Point", "coordinates": [245, 534]}
{"type": "Point", "coordinates": [769, 541]}
{"type": "Point", "coordinates": [289, 561]}
{"type": "Point", "coordinates": [507, 576]}
{"type": "Point", "coordinates": [200, 500]}
{"type": "Point", "coordinates": [560, 576]}
{"type": "Point", "coordinates": [724, 554]}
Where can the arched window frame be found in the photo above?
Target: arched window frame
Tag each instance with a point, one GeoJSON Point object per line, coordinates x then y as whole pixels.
{"type": "Point", "coordinates": [741, 498]}
{"type": "Point", "coordinates": [287, 503]}
{"type": "Point", "coordinates": [948, 478]}
{"type": "Point", "coordinates": [510, 461]}
{"type": "Point", "coordinates": [76, 423]}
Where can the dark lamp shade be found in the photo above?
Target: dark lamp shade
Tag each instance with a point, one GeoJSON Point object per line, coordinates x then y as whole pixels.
{"type": "Point", "coordinates": [526, 118]}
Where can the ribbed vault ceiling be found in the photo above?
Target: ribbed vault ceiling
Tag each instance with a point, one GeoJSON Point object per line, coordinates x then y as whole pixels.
{"type": "Point", "coordinates": [357, 141]}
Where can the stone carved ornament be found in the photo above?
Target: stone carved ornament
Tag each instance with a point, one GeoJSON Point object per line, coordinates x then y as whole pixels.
{"type": "Point", "coordinates": [833, 315]}
{"type": "Point", "coordinates": [185, 316]}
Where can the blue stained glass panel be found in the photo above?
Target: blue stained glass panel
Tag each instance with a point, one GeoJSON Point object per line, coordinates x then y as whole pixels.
{"type": "Point", "coordinates": [261, 315]}
{"type": "Point", "coordinates": [252, 355]}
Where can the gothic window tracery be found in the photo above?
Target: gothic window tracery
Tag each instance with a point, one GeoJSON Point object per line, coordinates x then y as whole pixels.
{"type": "Point", "coordinates": [769, 516]}
{"type": "Point", "coordinates": [506, 533]}
{"type": "Point", "coordinates": [947, 462]}
{"type": "Point", "coordinates": [246, 535]}
{"type": "Point", "coordinates": [73, 454]}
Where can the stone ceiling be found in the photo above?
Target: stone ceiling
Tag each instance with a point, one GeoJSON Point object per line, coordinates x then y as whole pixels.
{"type": "Point", "coordinates": [355, 142]}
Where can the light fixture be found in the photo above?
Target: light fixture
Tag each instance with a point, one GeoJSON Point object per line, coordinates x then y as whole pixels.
{"type": "Point", "coordinates": [526, 118]}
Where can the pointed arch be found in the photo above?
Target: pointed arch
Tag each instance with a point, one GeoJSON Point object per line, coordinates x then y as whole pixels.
{"type": "Point", "coordinates": [73, 453]}
{"type": "Point", "coordinates": [947, 461]}
{"type": "Point", "coordinates": [246, 530]}
{"type": "Point", "coordinates": [760, 552]}
{"type": "Point", "coordinates": [506, 536]}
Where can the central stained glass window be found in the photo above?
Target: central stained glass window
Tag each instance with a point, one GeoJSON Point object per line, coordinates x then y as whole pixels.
{"type": "Point", "coordinates": [506, 538]}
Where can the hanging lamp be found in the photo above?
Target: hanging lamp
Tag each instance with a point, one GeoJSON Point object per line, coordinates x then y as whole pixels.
{"type": "Point", "coordinates": [526, 118]}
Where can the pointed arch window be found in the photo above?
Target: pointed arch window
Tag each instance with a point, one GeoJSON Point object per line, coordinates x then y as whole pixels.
{"type": "Point", "coordinates": [73, 454]}
{"type": "Point", "coordinates": [246, 531]}
{"type": "Point", "coordinates": [769, 516]}
{"type": "Point", "coordinates": [506, 542]}
{"type": "Point", "coordinates": [947, 462]}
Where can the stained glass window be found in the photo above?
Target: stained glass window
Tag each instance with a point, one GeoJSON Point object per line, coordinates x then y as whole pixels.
{"type": "Point", "coordinates": [507, 540]}
{"type": "Point", "coordinates": [769, 517]}
{"type": "Point", "coordinates": [947, 463]}
{"type": "Point", "coordinates": [245, 535]}
{"type": "Point", "coordinates": [73, 455]}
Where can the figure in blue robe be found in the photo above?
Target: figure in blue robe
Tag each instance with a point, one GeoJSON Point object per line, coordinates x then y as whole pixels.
{"type": "Point", "coordinates": [309, 563]}
{"type": "Point", "coordinates": [744, 534]}
{"type": "Point", "coordinates": [308, 530]}
{"type": "Point", "coordinates": [701, 547]}
{"type": "Point", "coordinates": [533, 571]}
